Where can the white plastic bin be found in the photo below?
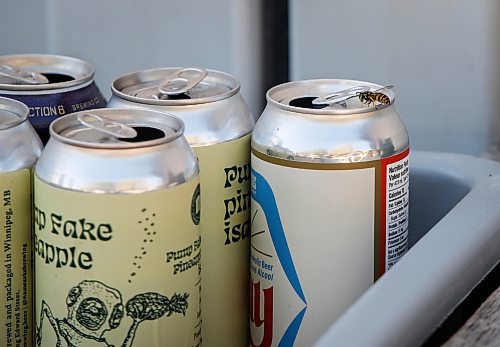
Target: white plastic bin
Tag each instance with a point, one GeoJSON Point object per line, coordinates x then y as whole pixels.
{"type": "Point", "coordinates": [455, 242]}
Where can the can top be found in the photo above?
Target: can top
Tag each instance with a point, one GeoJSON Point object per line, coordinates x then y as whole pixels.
{"type": "Point", "coordinates": [33, 72]}
{"type": "Point", "coordinates": [330, 97]}
{"type": "Point", "coordinates": [175, 86]}
{"type": "Point", "coordinates": [116, 128]}
{"type": "Point", "coordinates": [12, 113]}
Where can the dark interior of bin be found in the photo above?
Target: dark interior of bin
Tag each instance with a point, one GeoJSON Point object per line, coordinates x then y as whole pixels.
{"type": "Point", "coordinates": [432, 196]}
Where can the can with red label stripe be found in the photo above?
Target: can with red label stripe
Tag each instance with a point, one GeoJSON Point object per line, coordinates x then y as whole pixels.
{"type": "Point", "coordinates": [51, 86]}
{"type": "Point", "coordinates": [329, 184]}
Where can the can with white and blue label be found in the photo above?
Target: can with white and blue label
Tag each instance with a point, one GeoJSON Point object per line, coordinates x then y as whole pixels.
{"type": "Point", "coordinates": [51, 85]}
{"type": "Point", "coordinates": [329, 205]}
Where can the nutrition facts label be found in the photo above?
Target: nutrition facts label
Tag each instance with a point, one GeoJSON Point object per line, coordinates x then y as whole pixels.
{"type": "Point", "coordinates": [397, 190]}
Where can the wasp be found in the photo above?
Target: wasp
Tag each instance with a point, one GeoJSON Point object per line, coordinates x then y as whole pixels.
{"type": "Point", "coordinates": [372, 97]}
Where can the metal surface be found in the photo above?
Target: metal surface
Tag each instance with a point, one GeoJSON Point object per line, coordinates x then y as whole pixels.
{"type": "Point", "coordinates": [214, 111]}
{"type": "Point", "coordinates": [455, 217]}
{"type": "Point", "coordinates": [142, 87]}
{"type": "Point", "coordinates": [70, 87]}
{"type": "Point", "coordinates": [340, 96]}
{"type": "Point", "coordinates": [19, 143]}
{"type": "Point", "coordinates": [183, 81]}
{"type": "Point", "coordinates": [9, 75]}
{"type": "Point", "coordinates": [120, 166]}
{"type": "Point", "coordinates": [77, 70]}
{"type": "Point", "coordinates": [115, 129]}
{"type": "Point", "coordinates": [12, 113]}
{"type": "Point", "coordinates": [335, 133]}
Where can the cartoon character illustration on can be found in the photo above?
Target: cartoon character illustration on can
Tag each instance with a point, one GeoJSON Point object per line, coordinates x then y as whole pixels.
{"type": "Point", "coordinates": [95, 308]}
{"type": "Point", "coordinates": [124, 250]}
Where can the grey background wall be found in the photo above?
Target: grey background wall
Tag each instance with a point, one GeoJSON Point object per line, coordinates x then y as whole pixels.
{"type": "Point", "coordinates": [443, 57]}
{"type": "Point", "coordinates": [121, 36]}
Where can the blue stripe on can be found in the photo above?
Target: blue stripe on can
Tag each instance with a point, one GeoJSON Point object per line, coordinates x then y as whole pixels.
{"type": "Point", "coordinates": [263, 194]}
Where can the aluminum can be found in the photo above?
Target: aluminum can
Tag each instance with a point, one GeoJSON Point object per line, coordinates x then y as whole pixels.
{"type": "Point", "coordinates": [218, 127]}
{"type": "Point", "coordinates": [51, 86]}
{"type": "Point", "coordinates": [20, 148]}
{"type": "Point", "coordinates": [117, 240]}
{"type": "Point", "coordinates": [329, 204]}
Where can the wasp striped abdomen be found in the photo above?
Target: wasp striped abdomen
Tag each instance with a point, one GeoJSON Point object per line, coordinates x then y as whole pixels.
{"type": "Point", "coordinates": [374, 97]}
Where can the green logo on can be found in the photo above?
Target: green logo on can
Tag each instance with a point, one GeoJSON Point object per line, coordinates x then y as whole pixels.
{"type": "Point", "coordinates": [195, 206]}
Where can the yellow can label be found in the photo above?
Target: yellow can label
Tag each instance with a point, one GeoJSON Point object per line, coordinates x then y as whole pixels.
{"type": "Point", "coordinates": [15, 272]}
{"type": "Point", "coordinates": [117, 269]}
{"type": "Point", "coordinates": [225, 229]}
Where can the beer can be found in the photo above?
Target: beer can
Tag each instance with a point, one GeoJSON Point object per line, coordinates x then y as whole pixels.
{"type": "Point", "coordinates": [51, 86]}
{"type": "Point", "coordinates": [218, 127]}
{"type": "Point", "coordinates": [117, 240]}
{"type": "Point", "coordinates": [329, 204]}
{"type": "Point", "coordinates": [20, 148]}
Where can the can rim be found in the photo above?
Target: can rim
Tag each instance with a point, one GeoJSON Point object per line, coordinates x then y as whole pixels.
{"type": "Point", "coordinates": [163, 120]}
{"type": "Point", "coordinates": [15, 107]}
{"type": "Point", "coordinates": [271, 97]}
{"type": "Point", "coordinates": [56, 64]}
{"type": "Point", "coordinates": [142, 76]}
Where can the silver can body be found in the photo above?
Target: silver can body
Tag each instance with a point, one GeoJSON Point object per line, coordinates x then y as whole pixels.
{"type": "Point", "coordinates": [329, 204]}
{"type": "Point", "coordinates": [218, 127]}
{"type": "Point", "coordinates": [51, 86]}
{"type": "Point", "coordinates": [20, 149]}
{"type": "Point", "coordinates": [117, 237]}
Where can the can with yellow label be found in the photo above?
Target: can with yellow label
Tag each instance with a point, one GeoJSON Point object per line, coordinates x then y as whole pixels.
{"type": "Point", "coordinates": [218, 128]}
{"type": "Point", "coordinates": [117, 240]}
{"type": "Point", "coordinates": [20, 148]}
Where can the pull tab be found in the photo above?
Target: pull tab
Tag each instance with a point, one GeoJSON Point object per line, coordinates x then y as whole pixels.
{"type": "Point", "coordinates": [109, 127]}
{"type": "Point", "coordinates": [179, 85]}
{"type": "Point", "coordinates": [340, 96]}
{"type": "Point", "coordinates": [10, 75]}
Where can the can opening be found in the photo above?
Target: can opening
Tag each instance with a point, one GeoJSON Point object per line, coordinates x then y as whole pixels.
{"type": "Point", "coordinates": [57, 78]}
{"type": "Point", "coordinates": [306, 102]}
{"type": "Point", "coordinates": [182, 96]}
{"type": "Point", "coordinates": [145, 134]}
